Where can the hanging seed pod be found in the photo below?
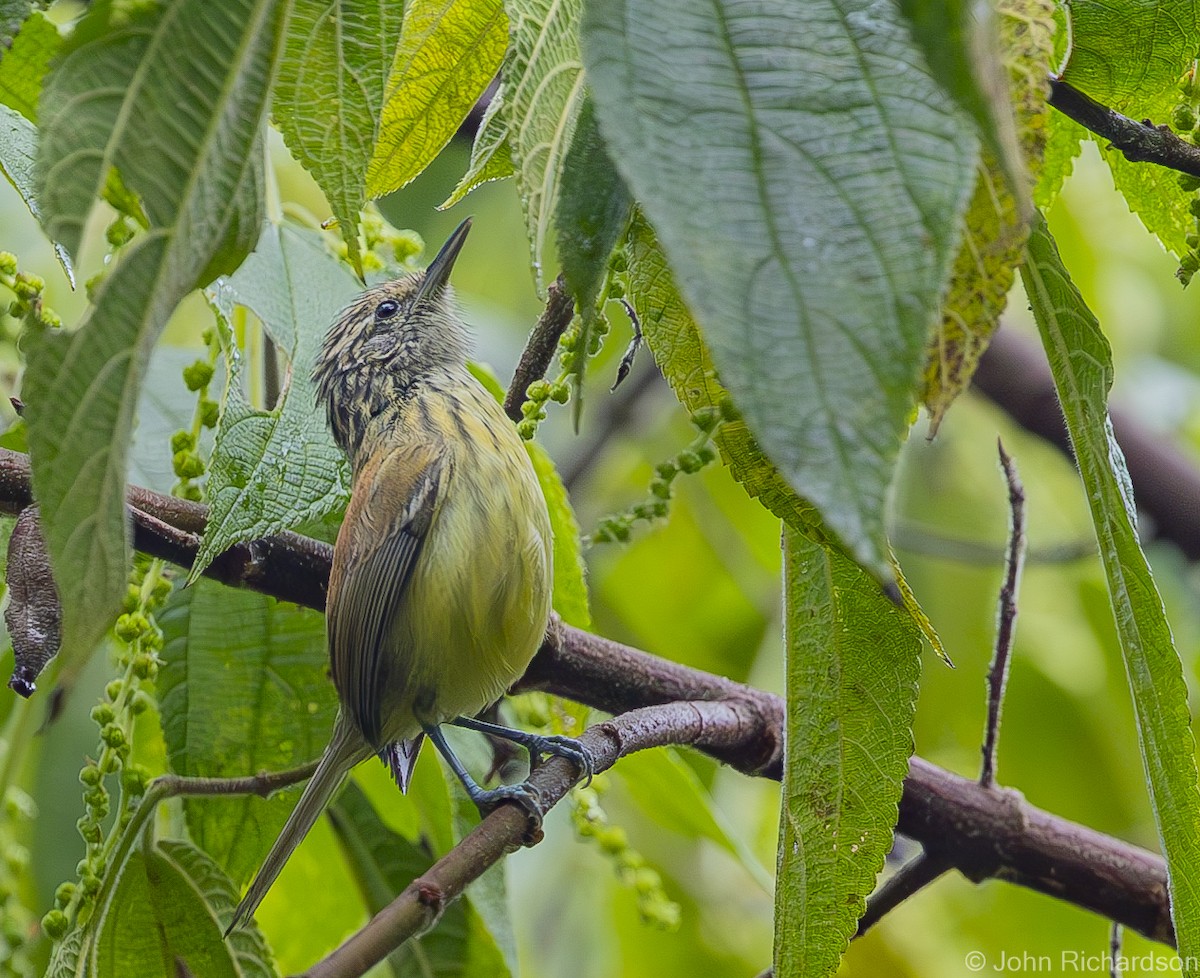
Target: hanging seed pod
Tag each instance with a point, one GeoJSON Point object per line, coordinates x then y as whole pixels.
{"type": "Point", "coordinates": [33, 615]}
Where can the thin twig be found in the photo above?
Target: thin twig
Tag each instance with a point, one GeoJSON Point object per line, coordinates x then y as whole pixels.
{"type": "Point", "coordinates": [914, 875]}
{"type": "Point", "coordinates": [1141, 142]}
{"type": "Point", "coordinates": [540, 347]}
{"type": "Point", "coordinates": [983, 833]}
{"type": "Point", "coordinates": [997, 678]}
{"type": "Point", "coordinates": [717, 724]}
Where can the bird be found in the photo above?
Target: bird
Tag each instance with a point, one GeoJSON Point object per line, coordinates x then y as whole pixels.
{"type": "Point", "coordinates": [440, 587]}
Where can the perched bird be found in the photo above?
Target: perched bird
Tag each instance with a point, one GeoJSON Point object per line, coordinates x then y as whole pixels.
{"type": "Point", "coordinates": [439, 592]}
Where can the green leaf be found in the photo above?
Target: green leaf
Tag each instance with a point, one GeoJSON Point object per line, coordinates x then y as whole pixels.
{"type": "Point", "coordinates": [994, 225]}
{"type": "Point", "coordinates": [18, 148]}
{"type": "Point", "coordinates": [668, 790]}
{"type": "Point", "coordinates": [24, 65]}
{"type": "Point", "coordinates": [491, 158]}
{"type": "Point", "coordinates": [330, 94]}
{"type": "Point", "coordinates": [766, 184]}
{"type": "Point", "coordinates": [682, 356]}
{"type": "Point", "coordinates": [157, 916]}
{"type": "Point", "coordinates": [1081, 361]}
{"type": "Point", "coordinates": [251, 954]}
{"type": "Point", "coordinates": [242, 689]}
{"type": "Point", "coordinates": [570, 596]}
{"type": "Point", "coordinates": [852, 660]}
{"type": "Point", "coordinates": [1125, 53]}
{"type": "Point", "coordinates": [272, 470]}
{"type": "Point", "coordinates": [544, 92]}
{"type": "Point", "coordinates": [449, 52]}
{"type": "Point", "coordinates": [193, 81]}
{"type": "Point", "coordinates": [383, 864]}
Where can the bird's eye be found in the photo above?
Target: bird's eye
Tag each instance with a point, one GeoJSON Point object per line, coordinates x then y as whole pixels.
{"type": "Point", "coordinates": [387, 309]}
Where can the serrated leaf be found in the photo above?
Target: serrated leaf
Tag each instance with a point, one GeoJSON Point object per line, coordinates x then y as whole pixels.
{"type": "Point", "coordinates": [1081, 362]}
{"type": "Point", "coordinates": [449, 52]}
{"type": "Point", "coordinates": [18, 148]}
{"type": "Point", "coordinates": [1131, 57]}
{"type": "Point", "coordinates": [155, 917]}
{"type": "Point", "coordinates": [250, 952]}
{"type": "Point", "coordinates": [681, 354]}
{"type": "Point", "coordinates": [851, 660]}
{"type": "Point", "coordinates": [330, 95]}
{"type": "Point", "coordinates": [816, 311]}
{"type": "Point", "coordinates": [544, 91]}
{"type": "Point", "coordinates": [384, 863]}
{"type": "Point", "coordinates": [994, 226]}
{"type": "Point", "coordinates": [272, 470]}
{"type": "Point", "coordinates": [24, 65]}
{"type": "Point", "coordinates": [670, 793]}
{"type": "Point", "coordinates": [1121, 54]}
{"type": "Point", "coordinates": [491, 158]}
{"type": "Point", "coordinates": [192, 80]}
{"type": "Point", "coordinates": [1064, 140]}
{"type": "Point", "coordinates": [243, 688]}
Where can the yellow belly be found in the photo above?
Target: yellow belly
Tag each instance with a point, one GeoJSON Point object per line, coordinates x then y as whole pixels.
{"type": "Point", "coordinates": [479, 596]}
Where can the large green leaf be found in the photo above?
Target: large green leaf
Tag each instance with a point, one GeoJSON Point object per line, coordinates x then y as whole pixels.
{"type": "Point", "coordinates": [449, 52]}
{"type": "Point", "coordinates": [1124, 52]}
{"type": "Point", "coordinates": [805, 175]}
{"type": "Point", "coordinates": [242, 689]}
{"type": "Point", "coordinates": [170, 908]}
{"type": "Point", "coordinates": [23, 66]}
{"type": "Point", "coordinates": [852, 659]}
{"type": "Point", "coordinates": [271, 470]}
{"type": "Point", "coordinates": [543, 94]}
{"type": "Point", "coordinates": [192, 81]}
{"type": "Point", "coordinates": [330, 94]}
{"type": "Point", "coordinates": [1081, 361]}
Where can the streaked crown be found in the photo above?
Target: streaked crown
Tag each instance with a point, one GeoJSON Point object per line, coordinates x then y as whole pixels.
{"type": "Point", "coordinates": [387, 342]}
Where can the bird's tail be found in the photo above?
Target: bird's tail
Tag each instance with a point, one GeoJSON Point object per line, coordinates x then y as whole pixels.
{"type": "Point", "coordinates": [345, 750]}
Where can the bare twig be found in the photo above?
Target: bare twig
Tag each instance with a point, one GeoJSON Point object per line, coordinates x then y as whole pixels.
{"type": "Point", "coordinates": [913, 876]}
{"type": "Point", "coordinates": [720, 725]}
{"type": "Point", "coordinates": [1141, 142]}
{"type": "Point", "coordinates": [1006, 615]}
{"type": "Point", "coordinates": [540, 347]}
{"type": "Point", "coordinates": [982, 833]}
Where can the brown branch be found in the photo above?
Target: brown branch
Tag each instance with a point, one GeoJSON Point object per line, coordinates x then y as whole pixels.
{"type": "Point", "coordinates": [909, 879]}
{"type": "Point", "coordinates": [540, 347]}
{"type": "Point", "coordinates": [715, 725]}
{"type": "Point", "coordinates": [1014, 374]}
{"type": "Point", "coordinates": [1141, 142]}
{"type": "Point", "coordinates": [981, 832]}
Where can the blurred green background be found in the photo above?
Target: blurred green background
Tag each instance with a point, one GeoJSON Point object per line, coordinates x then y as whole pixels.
{"type": "Point", "coordinates": [704, 589]}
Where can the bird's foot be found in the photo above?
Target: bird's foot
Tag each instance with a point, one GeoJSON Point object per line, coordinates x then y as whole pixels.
{"type": "Point", "coordinates": [569, 748]}
{"type": "Point", "coordinates": [524, 796]}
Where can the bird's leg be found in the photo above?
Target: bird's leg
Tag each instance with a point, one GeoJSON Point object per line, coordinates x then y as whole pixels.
{"type": "Point", "coordinates": [486, 800]}
{"type": "Point", "coordinates": [537, 744]}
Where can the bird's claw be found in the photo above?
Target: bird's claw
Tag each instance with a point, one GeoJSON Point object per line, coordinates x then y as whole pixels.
{"type": "Point", "coordinates": [569, 748]}
{"type": "Point", "coordinates": [524, 796]}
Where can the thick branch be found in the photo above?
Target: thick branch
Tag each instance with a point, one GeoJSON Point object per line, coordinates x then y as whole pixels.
{"type": "Point", "coordinates": [982, 832]}
{"type": "Point", "coordinates": [1141, 142]}
{"type": "Point", "coordinates": [714, 725]}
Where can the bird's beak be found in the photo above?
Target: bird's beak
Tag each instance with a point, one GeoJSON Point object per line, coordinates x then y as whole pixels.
{"type": "Point", "coordinates": [438, 272]}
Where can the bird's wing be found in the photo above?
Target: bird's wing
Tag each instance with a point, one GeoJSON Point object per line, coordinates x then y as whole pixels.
{"type": "Point", "coordinates": [394, 502]}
